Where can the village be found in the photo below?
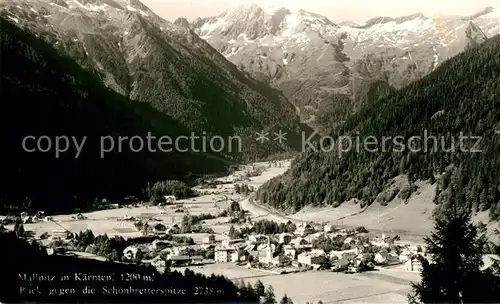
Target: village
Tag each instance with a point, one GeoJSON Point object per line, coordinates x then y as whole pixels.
{"type": "Point", "coordinates": [214, 232]}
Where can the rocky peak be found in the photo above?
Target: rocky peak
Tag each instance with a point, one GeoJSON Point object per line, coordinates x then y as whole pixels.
{"type": "Point", "coordinates": [474, 34]}
{"type": "Point", "coordinates": [182, 22]}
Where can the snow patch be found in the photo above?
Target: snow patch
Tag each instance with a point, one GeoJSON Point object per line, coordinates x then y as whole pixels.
{"type": "Point", "coordinates": [130, 8]}
{"type": "Point", "coordinates": [234, 51]}
{"type": "Point", "coordinates": [33, 10]}
{"type": "Point", "coordinates": [13, 19]}
{"type": "Point", "coordinates": [285, 61]}
{"type": "Point", "coordinates": [143, 13]}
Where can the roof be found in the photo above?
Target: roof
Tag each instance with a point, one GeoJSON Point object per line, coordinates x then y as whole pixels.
{"type": "Point", "coordinates": [489, 260]}
{"type": "Point", "coordinates": [179, 258]}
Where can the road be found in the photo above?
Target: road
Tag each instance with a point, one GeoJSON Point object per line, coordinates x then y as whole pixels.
{"type": "Point", "coordinates": [260, 211]}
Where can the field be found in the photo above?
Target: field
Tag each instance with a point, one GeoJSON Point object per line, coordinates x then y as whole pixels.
{"type": "Point", "coordinates": [410, 220]}
{"type": "Point", "coordinates": [111, 221]}
{"type": "Point", "coordinates": [384, 286]}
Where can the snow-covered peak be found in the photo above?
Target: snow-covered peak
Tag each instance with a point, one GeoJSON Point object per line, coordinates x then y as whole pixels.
{"type": "Point", "coordinates": [259, 21]}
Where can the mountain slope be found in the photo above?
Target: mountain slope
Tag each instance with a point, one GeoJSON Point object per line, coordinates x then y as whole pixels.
{"type": "Point", "coordinates": [45, 93]}
{"type": "Point", "coordinates": [462, 95]}
{"type": "Point", "coordinates": [317, 62]}
{"type": "Point", "coordinates": [148, 59]}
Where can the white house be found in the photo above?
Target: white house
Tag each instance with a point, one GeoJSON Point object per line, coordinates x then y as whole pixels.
{"type": "Point", "coordinates": [130, 252]}
{"type": "Point", "coordinates": [210, 239]}
{"type": "Point", "coordinates": [413, 264]}
{"type": "Point", "coordinates": [289, 251]}
{"type": "Point", "coordinates": [304, 229]}
{"type": "Point", "coordinates": [170, 199]}
{"type": "Point", "coordinates": [386, 258]}
{"type": "Point", "coordinates": [232, 242]}
{"type": "Point", "coordinates": [226, 254]}
{"type": "Point", "coordinates": [328, 228]}
{"type": "Point", "coordinates": [351, 253]}
{"type": "Point", "coordinates": [159, 262]}
{"type": "Point", "coordinates": [309, 258]}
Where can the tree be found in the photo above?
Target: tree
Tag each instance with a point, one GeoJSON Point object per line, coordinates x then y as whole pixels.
{"type": "Point", "coordinates": [114, 256]}
{"type": "Point", "coordinates": [454, 276]}
{"type": "Point", "coordinates": [18, 228]}
{"type": "Point", "coordinates": [269, 296]}
{"type": "Point", "coordinates": [233, 233]}
{"type": "Point", "coordinates": [259, 288]}
{"type": "Point", "coordinates": [320, 302]}
{"type": "Point", "coordinates": [138, 256]}
{"type": "Point", "coordinates": [286, 300]}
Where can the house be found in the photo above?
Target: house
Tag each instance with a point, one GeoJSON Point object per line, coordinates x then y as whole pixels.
{"type": "Point", "coordinates": [169, 199]}
{"type": "Point", "coordinates": [62, 234]}
{"type": "Point", "coordinates": [131, 252]}
{"type": "Point", "coordinates": [254, 254]}
{"type": "Point", "coordinates": [226, 254]}
{"type": "Point", "coordinates": [352, 268]}
{"type": "Point", "coordinates": [304, 229]}
{"type": "Point", "coordinates": [349, 254]}
{"type": "Point", "coordinates": [413, 264]}
{"type": "Point", "coordinates": [328, 228]}
{"type": "Point", "coordinates": [491, 262]}
{"type": "Point", "coordinates": [159, 245]}
{"type": "Point", "coordinates": [341, 264]}
{"type": "Point", "coordinates": [173, 230]}
{"type": "Point", "coordinates": [266, 255]}
{"type": "Point", "coordinates": [349, 240]}
{"type": "Point", "coordinates": [210, 239]}
{"type": "Point", "coordinates": [309, 258]}
{"type": "Point", "coordinates": [284, 238]}
{"type": "Point", "coordinates": [279, 261]}
{"type": "Point", "coordinates": [27, 220]}
{"type": "Point", "coordinates": [289, 251]}
{"type": "Point", "coordinates": [297, 242]}
{"type": "Point", "coordinates": [405, 256]}
{"type": "Point", "coordinates": [159, 229]}
{"type": "Point", "coordinates": [196, 259]}
{"type": "Point", "coordinates": [115, 206]}
{"type": "Point", "coordinates": [314, 236]}
{"type": "Point", "coordinates": [386, 258]}
{"type": "Point", "coordinates": [179, 260]}
{"type": "Point", "coordinates": [232, 242]}
{"type": "Point", "coordinates": [318, 228]}
{"type": "Point", "coordinates": [318, 252]}
{"type": "Point", "coordinates": [158, 262]}
{"type": "Point", "coordinates": [257, 238]}
{"type": "Point", "coordinates": [234, 178]}
{"type": "Point", "coordinates": [79, 216]}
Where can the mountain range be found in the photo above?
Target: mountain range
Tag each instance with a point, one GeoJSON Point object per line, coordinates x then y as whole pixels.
{"type": "Point", "coordinates": [327, 69]}
{"type": "Point", "coordinates": [148, 59]}
{"type": "Point", "coordinates": [413, 132]}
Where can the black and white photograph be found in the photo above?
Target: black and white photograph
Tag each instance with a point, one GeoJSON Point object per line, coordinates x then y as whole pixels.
{"type": "Point", "coordinates": [250, 151]}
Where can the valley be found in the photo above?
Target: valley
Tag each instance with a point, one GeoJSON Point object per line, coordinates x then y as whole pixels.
{"type": "Point", "coordinates": [257, 218]}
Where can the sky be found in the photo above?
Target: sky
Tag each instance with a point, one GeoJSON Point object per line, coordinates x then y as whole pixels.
{"type": "Point", "coordinates": [335, 10]}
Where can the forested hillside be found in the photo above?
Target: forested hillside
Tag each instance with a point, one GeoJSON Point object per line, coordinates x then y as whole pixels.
{"type": "Point", "coordinates": [462, 95]}
{"type": "Point", "coordinates": [46, 93]}
{"type": "Point", "coordinates": [152, 61]}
